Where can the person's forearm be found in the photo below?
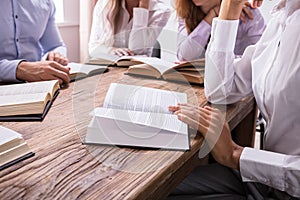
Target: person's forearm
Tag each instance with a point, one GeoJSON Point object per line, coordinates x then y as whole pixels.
{"type": "Point", "coordinates": [231, 9]}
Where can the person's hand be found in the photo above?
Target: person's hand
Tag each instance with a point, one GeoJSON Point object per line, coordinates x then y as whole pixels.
{"type": "Point", "coordinates": [246, 14]}
{"type": "Point", "coordinates": [144, 4]}
{"type": "Point", "coordinates": [210, 122]}
{"type": "Point", "coordinates": [122, 52]}
{"type": "Point", "coordinates": [57, 57]}
{"type": "Point", "coordinates": [214, 12]}
{"type": "Point", "coordinates": [43, 70]}
{"type": "Point", "coordinates": [232, 9]}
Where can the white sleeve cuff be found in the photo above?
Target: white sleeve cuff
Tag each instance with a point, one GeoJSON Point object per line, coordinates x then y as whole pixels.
{"type": "Point", "coordinates": [140, 18]}
{"type": "Point", "coordinates": [223, 34]}
{"type": "Point", "coordinates": [262, 166]}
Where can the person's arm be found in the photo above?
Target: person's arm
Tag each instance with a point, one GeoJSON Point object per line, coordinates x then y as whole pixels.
{"type": "Point", "coordinates": [276, 170]}
{"type": "Point", "coordinates": [228, 80]}
{"type": "Point", "coordinates": [42, 70]}
{"type": "Point", "coordinates": [250, 31]}
{"type": "Point", "coordinates": [145, 29]}
{"type": "Point", "coordinates": [255, 27]}
{"type": "Point", "coordinates": [8, 70]}
{"type": "Point", "coordinates": [192, 46]}
{"type": "Point", "coordinates": [53, 46]}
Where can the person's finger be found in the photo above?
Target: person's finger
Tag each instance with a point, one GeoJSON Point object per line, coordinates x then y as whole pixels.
{"type": "Point", "coordinates": [50, 56]}
{"type": "Point", "coordinates": [53, 77]}
{"type": "Point", "coordinates": [130, 53]}
{"type": "Point", "coordinates": [259, 3]}
{"type": "Point", "coordinates": [59, 67]}
{"type": "Point", "coordinates": [248, 13]}
{"type": "Point", "coordinates": [193, 124]}
{"type": "Point", "coordinates": [117, 52]}
{"type": "Point", "coordinates": [60, 75]}
{"type": "Point", "coordinates": [173, 108]}
{"type": "Point", "coordinates": [243, 17]}
{"type": "Point", "coordinates": [61, 59]}
{"type": "Point", "coordinates": [124, 52]}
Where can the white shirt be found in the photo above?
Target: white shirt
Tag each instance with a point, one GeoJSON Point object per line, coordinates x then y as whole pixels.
{"type": "Point", "coordinates": [138, 34]}
{"type": "Point", "coordinates": [271, 70]}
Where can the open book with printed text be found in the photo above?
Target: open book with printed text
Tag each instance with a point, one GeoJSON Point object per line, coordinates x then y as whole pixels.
{"type": "Point", "coordinates": [138, 116]}
{"type": "Point", "coordinates": [27, 101]}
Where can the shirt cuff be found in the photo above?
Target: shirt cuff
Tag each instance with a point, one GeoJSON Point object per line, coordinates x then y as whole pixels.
{"type": "Point", "coordinates": [140, 18]}
{"type": "Point", "coordinates": [262, 166]}
{"type": "Point", "coordinates": [221, 28]}
{"type": "Point", "coordinates": [9, 71]}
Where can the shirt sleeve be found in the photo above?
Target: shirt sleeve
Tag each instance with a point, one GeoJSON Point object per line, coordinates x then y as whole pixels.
{"type": "Point", "coordinates": [250, 31]}
{"type": "Point", "coordinates": [51, 39]}
{"type": "Point", "coordinates": [227, 79]}
{"type": "Point", "coordinates": [146, 28]}
{"type": "Point", "coordinates": [101, 39]}
{"type": "Point", "coordinates": [276, 170]}
{"type": "Point", "coordinates": [192, 46]}
{"type": "Point", "coordinates": [255, 27]}
{"type": "Point", "coordinates": [8, 70]}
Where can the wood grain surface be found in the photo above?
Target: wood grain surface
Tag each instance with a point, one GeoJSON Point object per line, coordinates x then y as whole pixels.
{"type": "Point", "coordinates": [64, 168]}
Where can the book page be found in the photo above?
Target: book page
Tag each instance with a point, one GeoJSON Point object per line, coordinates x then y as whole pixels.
{"type": "Point", "coordinates": [137, 98]}
{"type": "Point", "coordinates": [103, 58]}
{"type": "Point", "coordinates": [163, 121]}
{"type": "Point", "coordinates": [159, 64]}
{"type": "Point", "coordinates": [23, 104]}
{"type": "Point", "coordinates": [7, 135]}
{"type": "Point", "coordinates": [84, 68]}
{"type": "Point", "coordinates": [27, 88]}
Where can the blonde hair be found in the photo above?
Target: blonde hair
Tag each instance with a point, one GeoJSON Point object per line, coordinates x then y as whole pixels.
{"type": "Point", "coordinates": [112, 10]}
{"type": "Point", "coordinates": [190, 13]}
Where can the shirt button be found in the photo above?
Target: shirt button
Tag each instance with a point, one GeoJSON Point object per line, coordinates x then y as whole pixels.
{"type": "Point", "coordinates": [265, 180]}
{"type": "Point", "coordinates": [16, 16]}
{"type": "Point", "coordinates": [17, 40]}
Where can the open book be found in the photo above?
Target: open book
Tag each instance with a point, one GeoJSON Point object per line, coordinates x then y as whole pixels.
{"type": "Point", "coordinates": [189, 71]}
{"type": "Point", "coordinates": [119, 61]}
{"type": "Point", "coordinates": [79, 71]}
{"type": "Point", "coordinates": [138, 116]}
{"type": "Point", "coordinates": [13, 148]}
{"type": "Point", "coordinates": [27, 101]}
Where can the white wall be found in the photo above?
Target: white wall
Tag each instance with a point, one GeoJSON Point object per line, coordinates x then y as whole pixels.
{"type": "Point", "coordinates": [69, 29]}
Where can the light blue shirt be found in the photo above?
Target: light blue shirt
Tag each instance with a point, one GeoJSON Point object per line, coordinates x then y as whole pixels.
{"type": "Point", "coordinates": [28, 32]}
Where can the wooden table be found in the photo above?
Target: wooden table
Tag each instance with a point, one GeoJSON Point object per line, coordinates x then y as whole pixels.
{"type": "Point", "coordinates": [64, 168]}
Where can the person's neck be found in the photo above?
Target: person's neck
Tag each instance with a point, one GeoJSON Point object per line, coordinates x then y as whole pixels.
{"type": "Point", "coordinates": [130, 4]}
{"type": "Point", "coordinates": [209, 5]}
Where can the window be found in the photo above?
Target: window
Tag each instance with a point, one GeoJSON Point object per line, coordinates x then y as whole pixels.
{"type": "Point", "coordinates": [59, 16]}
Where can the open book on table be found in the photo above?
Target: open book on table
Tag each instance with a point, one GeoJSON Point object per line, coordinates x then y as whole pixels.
{"type": "Point", "coordinates": [79, 71]}
{"type": "Point", "coordinates": [188, 71]}
{"type": "Point", "coordinates": [114, 60]}
{"type": "Point", "coordinates": [138, 116]}
{"type": "Point", "coordinates": [13, 148]}
{"type": "Point", "coordinates": [27, 101]}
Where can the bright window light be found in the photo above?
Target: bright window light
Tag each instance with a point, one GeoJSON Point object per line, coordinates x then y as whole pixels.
{"type": "Point", "coordinates": [59, 16]}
